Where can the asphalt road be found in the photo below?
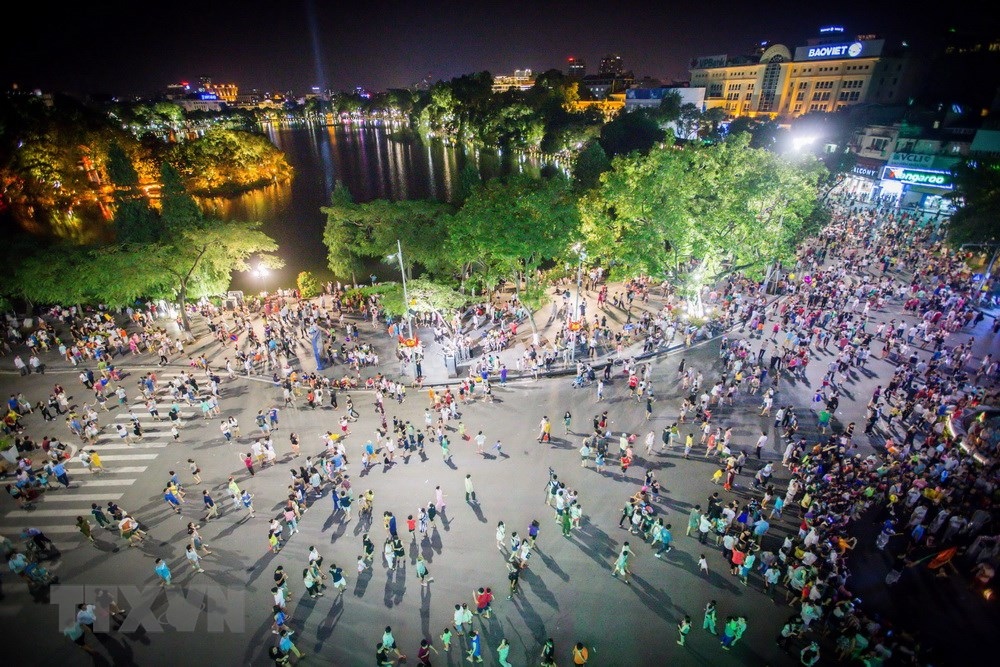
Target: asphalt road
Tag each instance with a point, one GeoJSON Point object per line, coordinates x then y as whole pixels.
{"type": "Point", "coordinates": [568, 592]}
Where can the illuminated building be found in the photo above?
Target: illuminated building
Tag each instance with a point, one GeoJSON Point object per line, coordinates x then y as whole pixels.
{"type": "Point", "coordinates": [609, 107]}
{"type": "Point", "coordinates": [650, 98]}
{"type": "Point", "coordinates": [577, 68]}
{"type": "Point", "coordinates": [522, 79]}
{"type": "Point", "coordinates": [829, 73]}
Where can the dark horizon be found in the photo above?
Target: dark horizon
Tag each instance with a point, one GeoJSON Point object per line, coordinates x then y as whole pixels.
{"type": "Point", "coordinates": [120, 49]}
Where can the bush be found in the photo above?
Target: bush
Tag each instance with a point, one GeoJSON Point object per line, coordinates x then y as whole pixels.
{"type": "Point", "coordinates": [308, 285]}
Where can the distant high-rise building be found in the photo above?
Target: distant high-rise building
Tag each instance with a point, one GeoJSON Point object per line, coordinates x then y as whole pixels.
{"type": "Point", "coordinates": [611, 65]}
{"type": "Point", "coordinates": [577, 67]}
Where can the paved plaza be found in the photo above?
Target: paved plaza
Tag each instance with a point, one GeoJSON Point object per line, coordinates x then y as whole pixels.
{"type": "Point", "coordinates": [567, 593]}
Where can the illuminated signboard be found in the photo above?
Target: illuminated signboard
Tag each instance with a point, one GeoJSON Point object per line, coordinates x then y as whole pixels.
{"type": "Point", "coordinates": [911, 159]}
{"type": "Point", "coordinates": [937, 179]}
{"type": "Point", "coordinates": [840, 50]}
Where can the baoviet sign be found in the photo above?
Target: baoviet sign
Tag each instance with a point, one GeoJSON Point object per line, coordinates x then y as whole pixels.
{"type": "Point", "coordinates": [856, 49]}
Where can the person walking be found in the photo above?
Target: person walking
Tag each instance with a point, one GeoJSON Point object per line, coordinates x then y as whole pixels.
{"type": "Point", "coordinates": [196, 541]}
{"type": "Point", "coordinates": [193, 558]}
{"type": "Point", "coordinates": [621, 563]}
{"type": "Point", "coordinates": [548, 653]}
{"type": "Point", "coordinates": [503, 652]}
{"type": "Point", "coordinates": [459, 621]}
{"type": "Point", "coordinates": [729, 633]}
{"type": "Point", "coordinates": [246, 499]}
{"type": "Point", "coordinates": [470, 491]}
{"type": "Point", "coordinates": [337, 578]}
{"type": "Point", "coordinates": [172, 500]}
{"type": "Point", "coordinates": [501, 536]}
{"type": "Point", "coordinates": [513, 576]}
{"type": "Point", "coordinates": [102, 519]}
{"type": "Point", "coordinates": [212, 510]}
{"type": "Point", "coordinates": [163, 572]}
{"type": "Point", "coordinates": [710, 615]}
{"type": "Point", "coordinates": [475, 652]}
{"type": "Point", "coordinates": [683, 628]}
{"type": "Point", "coordinates": [424, 653]}
{"type": "Point", "coordinates": [422, 572]}
{"type": "Point", "coordinates": [580, 654]}
{"type": "Point", "coordinates": [195, 471]}
{"type": "Point", "coordinates": [286, 646]}
{"type": "Point", "coordinates": [84, 525]}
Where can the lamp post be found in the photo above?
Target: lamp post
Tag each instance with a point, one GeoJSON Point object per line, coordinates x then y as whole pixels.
{"type": "Point", "coordinates": [579, 286]}
{"type": "Point", "coordinates": [406, 298]}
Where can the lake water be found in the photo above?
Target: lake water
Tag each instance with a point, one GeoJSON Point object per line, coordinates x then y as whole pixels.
{"type": "Point", "coordinates": [372, 164]}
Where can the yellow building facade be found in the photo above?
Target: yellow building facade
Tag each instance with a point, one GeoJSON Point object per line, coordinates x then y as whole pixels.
{"type": "Point", "coordinates": [825, 75]}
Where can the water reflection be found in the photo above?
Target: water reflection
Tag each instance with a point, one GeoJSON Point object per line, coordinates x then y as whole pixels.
{"type": "Point", "coordinates": [374, 162]}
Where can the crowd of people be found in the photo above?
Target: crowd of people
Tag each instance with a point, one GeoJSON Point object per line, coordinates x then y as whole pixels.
{"type": "Point", "coordinates": [921, 467]}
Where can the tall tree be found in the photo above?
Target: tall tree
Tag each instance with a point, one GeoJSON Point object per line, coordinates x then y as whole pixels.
{"type": "Point", "coordinates": [977, 190]}
{"type": "Point", "coordinates": [723, 208]}
{"type": "Point", "coordinates": [178, 209]}
{"type": "Point", "coordinates": [135, 220]}
{"type": "Point", "coordinates": [590, 163]}
{"type": "Point", "coordinates": [340, 234]}
{"type": "Point", "coordinates": [629, 132]}
{"type": "Point", "coordinates": [509, 228]}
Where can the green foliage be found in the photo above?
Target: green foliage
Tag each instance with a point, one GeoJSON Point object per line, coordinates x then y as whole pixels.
{"type": "Point", "coordinates": [373, 229]}
{"type": "Point", "coordinates": [669, 109]}
{"type": "Point", "coordinates": [57, 162]}
{"type": "Point", "coordinates": [178, 208]}
{"type": "Point", "coordinates": [510, 227]}
{"type": "Point", "coordinates": [228, 162]}
{"type": "Point", "coordinates": [468, 180]}
{"type": "Point", "coordinates": [185, 263]}
{"type": "Point", "coordinates": [590, 163]}
{"type": "Point", "coordinates": [425, 296]}
{"type": "Point", "coordinates": [308, 285]}
{"type": "Point", "coordinates": [977, 188]}
{"type": "Point", "coordinates": [339, 234]}
{"type": "Point", "coordinates": [727, 207]}
{"type": "Point", "coordinates": [629, 132]}
{"type": "Point", "coordinates": [135, 220]}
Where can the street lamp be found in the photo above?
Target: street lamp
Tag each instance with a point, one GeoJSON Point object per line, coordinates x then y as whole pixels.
{"type": "Point", "coordinates": [398, 255]}
{"type": "Point", "coordinates": [578, 249]}
{"type": "Point", "coordinates": [261, 273]}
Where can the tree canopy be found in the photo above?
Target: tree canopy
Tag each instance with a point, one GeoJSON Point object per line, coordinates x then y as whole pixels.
{"type": "Point", "coordinates": [977, 189]}
{"type": "Point", "coordinates": [727, 207]}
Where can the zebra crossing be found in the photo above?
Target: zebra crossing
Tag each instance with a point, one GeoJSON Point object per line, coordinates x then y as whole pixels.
{"type": "Point", "coordinates": [123, 460]}
{"type": "Point", "coordinates": [55, 511]}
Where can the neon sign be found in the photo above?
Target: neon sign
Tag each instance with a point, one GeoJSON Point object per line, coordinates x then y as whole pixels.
{"type": "Point", "coordinates": [938, 179]}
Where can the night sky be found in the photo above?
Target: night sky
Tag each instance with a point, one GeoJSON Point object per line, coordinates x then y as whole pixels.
{"type": "Point", "coordinates": [138, 48]}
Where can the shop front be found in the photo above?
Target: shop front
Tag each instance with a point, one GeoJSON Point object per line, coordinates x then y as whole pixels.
{"type": "Point", "coordinates": [918, 187]}
{"type": "Point", "coordinates": [863, 178]}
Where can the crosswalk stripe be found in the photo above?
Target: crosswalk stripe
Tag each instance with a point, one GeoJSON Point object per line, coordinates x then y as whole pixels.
{"type": "Point", "coordinates": [115, 469]}
{"type": "Point", "coordinates": [138, 445]}
{"type": "Point", "coordinates": [105, 482]}
{"type": "Point", "coordinates": [75, 499]}
{"type": "Point", "coordinates": [122, 457]}
{"type": "Point", "coordinates": [38, 513]}
{"type": "Point", "coordinates": [145, 434]}
{"type": "Point", "coordinates": [17, 530]}
{"type": "Point", "coordinates": [147, 418]}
